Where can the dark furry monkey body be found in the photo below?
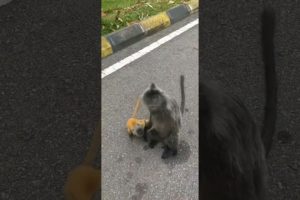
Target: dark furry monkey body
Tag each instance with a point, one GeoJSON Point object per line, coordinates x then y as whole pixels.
{"type": "Point", "coordinates": [232, 153]}
{"type": "Point", "coordinates": [165, 118]}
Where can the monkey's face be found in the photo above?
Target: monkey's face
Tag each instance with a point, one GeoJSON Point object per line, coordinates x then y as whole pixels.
{"type": "Point", "coordinates": [153, 98]}
{"type": "Point", "coordinates": [136, 126]}
{"type": "Point", "coordinates": [138, 130]}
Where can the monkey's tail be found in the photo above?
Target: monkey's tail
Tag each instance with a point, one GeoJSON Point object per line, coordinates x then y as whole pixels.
{"type": "Point", "coordinates": [270, 115]}
{"type": "Point", "coordinates": [137, 107]}
{"type": "Point", "coordinates": [182, 94]}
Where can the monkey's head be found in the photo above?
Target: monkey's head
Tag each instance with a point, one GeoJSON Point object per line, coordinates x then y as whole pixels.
{"type": "Point", "coordinates": [154, 98]}
{"type": "Point", "coordinates": [136, 127]}
{"type": "Point", "coordinates": [138, 130]}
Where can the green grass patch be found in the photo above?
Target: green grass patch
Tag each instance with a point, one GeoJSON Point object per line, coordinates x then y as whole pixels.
{"type": "Point", "coordinates": [116, 14]}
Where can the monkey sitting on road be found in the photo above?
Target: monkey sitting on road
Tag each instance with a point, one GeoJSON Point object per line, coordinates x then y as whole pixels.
{"type": "Point", "coordinates": [165, 119]}
{"type": "Point", "coordinates": [232, 150]}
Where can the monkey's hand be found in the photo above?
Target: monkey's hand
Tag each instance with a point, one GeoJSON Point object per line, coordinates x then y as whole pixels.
{"type": "Point", "coordinates": [152, 143]}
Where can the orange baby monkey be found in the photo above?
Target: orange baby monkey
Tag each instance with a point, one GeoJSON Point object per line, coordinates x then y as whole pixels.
{"type": "Point", "coordinates": [137, 126]}
{"type": "Point", "coordinates": [84, 180]}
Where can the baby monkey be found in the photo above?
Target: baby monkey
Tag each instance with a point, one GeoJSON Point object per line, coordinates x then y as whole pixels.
{"type": "Point", "coordinates": [165, 119]}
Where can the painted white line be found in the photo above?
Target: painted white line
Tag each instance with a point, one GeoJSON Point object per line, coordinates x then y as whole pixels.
{"type": "Point", "coordinates": [111, 69]}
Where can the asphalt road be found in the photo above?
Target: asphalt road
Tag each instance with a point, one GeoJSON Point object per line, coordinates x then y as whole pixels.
{"type": "Point", "coordinates": [130, 170]}
{"type": "Point", "coordinates": [49, 93]}
{"type": "Point", "coordinates": [230, 53]}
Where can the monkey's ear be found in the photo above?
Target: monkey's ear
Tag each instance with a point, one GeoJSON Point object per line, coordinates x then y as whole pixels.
{"type": "Point", "coordinates": [152, 86]}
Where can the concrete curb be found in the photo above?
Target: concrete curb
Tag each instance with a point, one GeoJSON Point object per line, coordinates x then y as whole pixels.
{"type": "Point", "coordinates": [120, 39]}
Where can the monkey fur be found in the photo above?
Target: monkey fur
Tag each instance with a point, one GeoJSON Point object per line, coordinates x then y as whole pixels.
{"type": "Point", "coordinates": [232, 155]}
{"type": "Point", "coordinates": [84, 180]}
{"type": "Point", "coordinates": [136, 127]}
{"type": "Point", "coordinates": [165, 119]}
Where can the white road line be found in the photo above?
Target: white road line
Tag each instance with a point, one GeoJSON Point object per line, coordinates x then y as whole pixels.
{"type": "Point", "coordinates": [111, 69]}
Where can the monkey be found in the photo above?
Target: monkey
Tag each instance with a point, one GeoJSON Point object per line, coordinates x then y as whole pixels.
{"type": "Point", "coordinates": [165, 119]}
{"type": "Point", "coordinates": [137, 127]}
{"type": "Point", "coordinates": [84, 180]}
{"type": "Point", "coordinates": [232, 150]}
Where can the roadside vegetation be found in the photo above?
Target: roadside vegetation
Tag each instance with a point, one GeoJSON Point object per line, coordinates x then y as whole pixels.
{"type": "Point", "coordinates": [116, 14]}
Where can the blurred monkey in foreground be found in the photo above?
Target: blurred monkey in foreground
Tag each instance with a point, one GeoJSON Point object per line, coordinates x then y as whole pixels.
{"type": "Point", "coordinates": [84, 180]}
{"type": "Point", "coordinates": [232, 149]}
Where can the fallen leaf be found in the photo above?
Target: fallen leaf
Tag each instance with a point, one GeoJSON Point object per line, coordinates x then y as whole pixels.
{"type": "Point", "coordinates": [148, 4]}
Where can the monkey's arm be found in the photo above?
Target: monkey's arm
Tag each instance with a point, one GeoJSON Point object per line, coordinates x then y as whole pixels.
{"type": "Point", "coordinates": [152, 137]}
{"type": "Point", "coordinates": [148, 125]}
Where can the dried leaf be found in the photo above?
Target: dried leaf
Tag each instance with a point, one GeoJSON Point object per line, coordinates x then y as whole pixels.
{"type": "Point", "coordinates": [148, 4]}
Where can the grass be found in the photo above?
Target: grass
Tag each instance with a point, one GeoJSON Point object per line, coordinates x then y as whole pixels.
{"type": "Point", "coordinates": [116, 14]}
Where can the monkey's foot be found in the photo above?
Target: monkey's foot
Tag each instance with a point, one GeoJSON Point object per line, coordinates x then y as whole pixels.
{"type": "Point", "coordinates": [168, 152]}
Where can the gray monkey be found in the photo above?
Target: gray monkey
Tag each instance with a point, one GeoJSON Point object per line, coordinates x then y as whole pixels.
{"type": "Point", "coordinates": [232, 149]}
{"type": "Point", "coordinates": [165, 119]}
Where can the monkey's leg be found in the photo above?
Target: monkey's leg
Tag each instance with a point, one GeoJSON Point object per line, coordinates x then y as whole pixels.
{"type": "Point", "coordinates": [171, 145]}
{"type": "Point", "coordinates": [152, 137]}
